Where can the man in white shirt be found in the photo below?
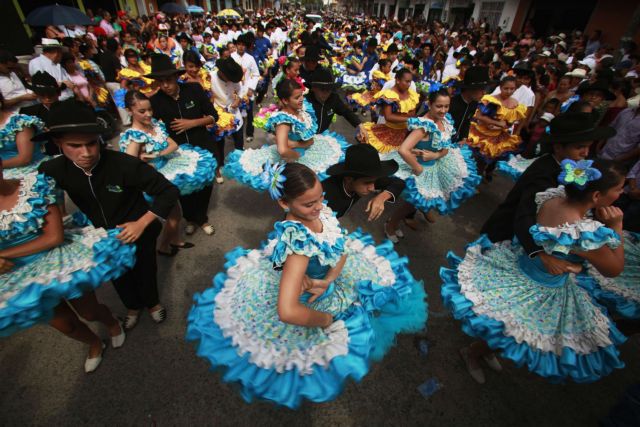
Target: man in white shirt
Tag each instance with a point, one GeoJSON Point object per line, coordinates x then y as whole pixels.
{"type": "Point", "coordinates": [49, 61]}
{"type": "Point", "coordinates": [251, 76]}
{"type": "Point", "coordinates": [225, 87]}
{"type": "Point", "coordinates": [14, 93]}
{"type": "Point", "coordinates": [523, 94]}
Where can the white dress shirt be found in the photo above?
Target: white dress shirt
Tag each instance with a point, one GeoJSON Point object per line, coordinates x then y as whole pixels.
{"type": "Point", "coordinates": [223, 94]}
{"type": "Point", "coordinates": [523, 95]}
{"type": "Point", "coordinates": [43, 63]}
{"type": "Point", "coordinates": [11, 87]}
{"type": "Point", "coordinates": [251, 72]}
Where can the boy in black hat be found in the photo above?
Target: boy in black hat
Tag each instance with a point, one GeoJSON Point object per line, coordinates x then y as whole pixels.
{"type": "Point", "coordinates": [108, 187]}
{"type": "Point", "coordinates": [571, 136]}
{"type": "Point", "coordinates": [48, 92]}
{"type": "Point", "coordinates": [309, 61]}
{"type": "Point", "coordinates": [361, 174]}
{"type": "Point", "coordinates": [225, 87]}
{"type": "Point", "coordinates": [325, 100]}
{"type": "Point", "coordinates": [463, 105]}
{"type": "Point", "coordinates": [187, 111]}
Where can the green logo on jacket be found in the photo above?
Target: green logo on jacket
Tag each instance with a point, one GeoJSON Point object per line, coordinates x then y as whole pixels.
{"type": "Point", "coordinates": [114, 188]}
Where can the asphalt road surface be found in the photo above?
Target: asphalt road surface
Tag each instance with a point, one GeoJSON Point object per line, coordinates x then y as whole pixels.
{"type": "Point", "coordinates": [156, 378]}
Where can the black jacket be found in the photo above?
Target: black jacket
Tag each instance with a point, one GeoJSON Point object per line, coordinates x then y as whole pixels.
{"type": "Point", "coordinates": [517, 213]}
{"type": "Point", "coordinates": [192, 103]}
{"type": "Point", "coordinates": [333, 105]}
{"type": "Point", "coordinates": [112, 195]}
{"type": "Point", "coordinates": [461, 112]}
{"type": "Point", "coordinates": [340, 202]}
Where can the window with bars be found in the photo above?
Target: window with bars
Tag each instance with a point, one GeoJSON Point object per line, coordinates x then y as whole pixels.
{"type": "Point", "coordinates": [491, 11]}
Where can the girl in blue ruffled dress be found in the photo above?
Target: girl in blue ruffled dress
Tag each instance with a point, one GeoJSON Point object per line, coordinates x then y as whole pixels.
{"type": "Point", "coordinates": [439, 174]}
{"type": "Point", "coordinates": [20, 155]}
{"type": "Point", "coordinates": [311, 308]}
{"type": "Point", "coordinates": [533, 317]}
{"type": "Point", "coordinates": [42, 263]}
{"type": "Point", "coordinates": [188, 167]}
{"type": "Point", "coordinates": [295, 129]}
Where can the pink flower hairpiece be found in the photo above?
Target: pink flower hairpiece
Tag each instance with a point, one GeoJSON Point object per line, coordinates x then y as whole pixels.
{"type": "Point", "coordinates": [300, 81]}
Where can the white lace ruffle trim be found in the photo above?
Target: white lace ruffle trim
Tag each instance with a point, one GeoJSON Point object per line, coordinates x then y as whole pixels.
{"type": "Point", "coordinates": [8, 219]}
{"type": "Point", "coordinates": [585, 343]}
{"type": "Point", "coordinates": [263, 353]}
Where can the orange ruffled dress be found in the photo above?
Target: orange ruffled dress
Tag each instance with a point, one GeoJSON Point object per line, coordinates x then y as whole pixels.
{"type": "Point", "coordinates": [493, 143]}
{"type": "Point", "coordinates": [386, 137]}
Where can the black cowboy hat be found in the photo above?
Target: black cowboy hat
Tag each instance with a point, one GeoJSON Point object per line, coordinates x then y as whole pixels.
{"type": "Point", "coordinates": [184, 36]}
{"type": "Point", "coordinates": [392, 48]}
{"type": "Point", "coordinates": [575, 127]}
{"type": "Point", "coordinates": [230, 68]}
{"type": "Point", "coordinates": [42, 83]}
{"type": "Point", "coordinates": [475, 78]}
{"type": "Point", "coordinates": [322, 78]}
{"type": "Point", "coordinates": [523, 67]}
{"type": "Point", "coordinates": [311, 53]}
{"type": "Point", "coordinates": [362, 160]}
{"type": "Point", "coordinates": [70, 116]}
{"type": "Point", "coordinates": [246, 39]}
{"type": "Point", "coordinates": [161, 67]}
{"type": "Point", "coordinates": [599, 85]}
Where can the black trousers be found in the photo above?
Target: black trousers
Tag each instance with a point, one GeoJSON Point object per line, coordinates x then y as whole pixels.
{"type": "Point", "coordinates": [238, 139]}
{"type": "Point", "coordinates": [138, 287]}
{"type": "Point", "coordinates": [196, 205]}
{"type": "Point", "coordinates": [249, 119]}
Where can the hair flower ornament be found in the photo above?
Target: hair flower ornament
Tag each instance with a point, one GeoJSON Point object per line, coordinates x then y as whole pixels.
{"type": "Point", "coordinates": [274, 179]}
{"type": "Point", "coordinates": [578, 173]}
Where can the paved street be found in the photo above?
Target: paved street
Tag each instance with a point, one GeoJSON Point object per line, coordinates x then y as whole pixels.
{"type": "Point", "coordinates": [156, 378]}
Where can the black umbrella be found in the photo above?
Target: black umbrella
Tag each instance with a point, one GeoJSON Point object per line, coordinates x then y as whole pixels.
{"type": "Point", "coordinates": [57, 15]}
{"type": "Point", "coordinates": [172, 8]}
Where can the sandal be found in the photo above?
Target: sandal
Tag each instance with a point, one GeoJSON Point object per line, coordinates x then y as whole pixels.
{"type": "Point", "coordinates": [183, 245]}
{"type": "Point", "coordinates": [476, 373]}
{"type": "Point", "coordinates": [492, 362]}
{"type": "Point", "coordinates": [208, 229]}
{"type": "Point", "coordinates": [172, 253]}
{"type": "Point", "coordinates": [190, 229]}
{"type": "Point", "coordinates": [130, 321]}
{"type": "Point", "coordinates": [159, 315]}
{"type": "Point", "coordinates": [394, 238]}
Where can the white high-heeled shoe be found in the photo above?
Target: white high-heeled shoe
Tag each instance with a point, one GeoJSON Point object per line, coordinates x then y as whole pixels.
{"type": "Point", "coordinates": [91, 364]}
{"type": "Point", "coordinates": [476, 373]}
{"type": "Point", "coordinates": [118, 340]}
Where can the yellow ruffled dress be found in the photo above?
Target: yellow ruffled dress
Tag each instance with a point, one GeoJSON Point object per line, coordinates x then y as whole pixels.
{"type": "Point", "coordinates": [386, 137]}
{"type": "Point", "coordinates": [491, 142]}
{"type": "Point", "coordinates": [140, 82]}
{"type": "Point", "coordinates": [365, 100]}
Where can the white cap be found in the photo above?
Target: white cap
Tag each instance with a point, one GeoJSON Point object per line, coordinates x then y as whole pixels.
{"type": "Point", "coordinates": [578, 72]}
{"type": "Point", "coordinates": [454, 34]}
{"type": "Point", "coordinates": [50, 43]}
{"type": "Point", "coordinates": [546, 53]}
{"type": "Point", "coordinates": [547, 117]}
{"type": "Point", "coordinates": [562, 36]}
{"type": "Point", "coordinates": [589, 62]}
{"type": "Point", "coordinates": [563, 44]}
